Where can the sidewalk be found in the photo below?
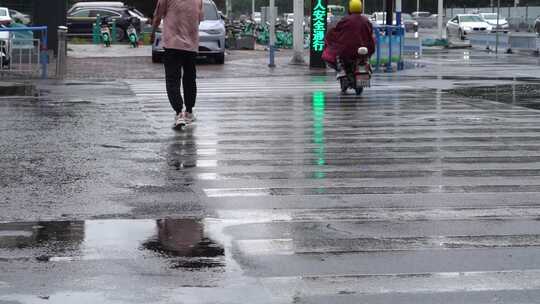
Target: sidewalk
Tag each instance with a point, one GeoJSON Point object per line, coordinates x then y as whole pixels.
{"type": "Point", "coordinates": [115, 51]}
{"type": "Point", "coordinates": [124, 63]}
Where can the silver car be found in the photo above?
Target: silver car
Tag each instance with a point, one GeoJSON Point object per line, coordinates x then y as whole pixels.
{"type": "Point", "coordinates": [19, 17]}
{"type": "Point", "coordinates": [211, 36]}
{"type": "Point", "coordinates": [491, 18]}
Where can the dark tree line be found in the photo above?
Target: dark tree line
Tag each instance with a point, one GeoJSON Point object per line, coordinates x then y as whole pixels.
{"type": "Point", "coordinates": [286, 6]}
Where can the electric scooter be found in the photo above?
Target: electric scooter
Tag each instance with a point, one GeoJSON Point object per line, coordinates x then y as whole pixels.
{"type": "Point", "coordinates": [106, 32]}
{"type": "Point", "coordinates": [132, 32]}
{"type": "Point", "coordinates": [355, 75]}
{"type": "Point", "coordinates": [4, 58]}
{"type": "Point", "coordinates": [4, 54]}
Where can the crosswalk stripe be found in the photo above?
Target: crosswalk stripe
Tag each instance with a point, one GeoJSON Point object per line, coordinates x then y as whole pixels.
{"type": "Point", "coordinates": [360, 160]}
{"type": "Point", "coordinates": [422, 283]}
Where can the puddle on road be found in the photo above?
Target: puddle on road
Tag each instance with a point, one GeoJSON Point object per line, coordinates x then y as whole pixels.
{"type": "Point", "coordinates": [181, 243]}
{"type": "Point", "coordinates": [482, 78]}
{"type": "Point", "coordinates": [524, 95]}
{"type": "Point", "coordinates": [60, 298]}
{"type": "Point", "coordinates": [17, 89]}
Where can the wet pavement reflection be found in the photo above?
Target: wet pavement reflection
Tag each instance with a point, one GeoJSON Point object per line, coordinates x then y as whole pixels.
{"type": "Point", "coordinates": [185, 238]}
{"type": "Point", "coordinates": [524, 94]}
{"type": "Point", "coordinates": [318, 134]}
{"type": "Point", "coordinates": [182, 152]}
{"type": "Point", "coordinates": [181, 243]}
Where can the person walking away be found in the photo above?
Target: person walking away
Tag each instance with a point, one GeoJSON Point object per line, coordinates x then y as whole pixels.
{"type": "Point", "coordinates": [180, 36]}
{"type": "Point", "coordinates": [352, 32]}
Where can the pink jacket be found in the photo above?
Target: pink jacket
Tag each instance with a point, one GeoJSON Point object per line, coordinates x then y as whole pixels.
{"type": "Point", "coordinates": [181, 20]}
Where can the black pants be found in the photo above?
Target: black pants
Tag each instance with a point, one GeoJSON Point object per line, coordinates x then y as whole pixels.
{"type": "Point", "coordinates": [175, 62]}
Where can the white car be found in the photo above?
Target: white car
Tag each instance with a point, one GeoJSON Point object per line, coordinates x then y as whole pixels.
{"type": "Point", "coordinates": [491, 19]}
{"type": "Point", "coordinates": [425, 19]}
{"type": "Point", "coordinates": [5, 17]}
{"type": "Point", "coordinates": [211, 36]}
{"type": "Point", "coordinates": [256, 17]}
{"type": "Point", "coordinates": [289, 18]}
{"type": "Point", "coordinates": [19, 17]}
{"type": "Point", "coordinates": [379, 18]}
{"type": "Point", "coordinates": [464, 24]}
{"type": "Point", "coordinates": [5, 20]}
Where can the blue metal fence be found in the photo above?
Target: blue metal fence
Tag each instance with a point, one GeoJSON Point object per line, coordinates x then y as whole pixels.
{"type": "Point", "coordinates": [390, 41]}
{"type": "Point", "coordinates": [21, 47]}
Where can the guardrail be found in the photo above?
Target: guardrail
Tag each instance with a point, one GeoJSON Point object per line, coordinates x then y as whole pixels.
{"type": "Point", "coordinates": [507, 42]}
{"type": "Point", "coordinates": [524, 41]}
{"type": "Point", "coordinates": [490, 40]}
{"type": "Point", "coordinates": [24, 54]}
{"type": "Point", "coordinates": [413, 46]}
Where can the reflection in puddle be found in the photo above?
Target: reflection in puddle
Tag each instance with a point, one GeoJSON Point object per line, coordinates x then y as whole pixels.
{"type": "Point", "coordinates": [58, 236]}
{"type": "Point", "coordinates": [60, 298]}
{"type": "Point", "coordinates": [182, 152]}
{"type": "Point", "coordinates": [318, 104]}
{"type": "Point", "coordinates": [181, 242]}
{"type": "Point", "coordinates": [185, 238]}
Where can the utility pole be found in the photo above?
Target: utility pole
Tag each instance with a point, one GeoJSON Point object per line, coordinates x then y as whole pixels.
{"type": "Point", "coordinates": [298, 32]}
{"type": "Point", "coordinates": [389, 12]}
{"type": "Point", "coordinates": [418, 5]}
{"type": "Point", "coordinates": [228, 8]}
{"type": "Point", "coordinates": [497, 31]}
{"type": "Point", "coordinates": [440, 19]}
{"type": "Point", "coordinates": [398, 12]}
{"type": "Point", "coordinates": [272, 29]}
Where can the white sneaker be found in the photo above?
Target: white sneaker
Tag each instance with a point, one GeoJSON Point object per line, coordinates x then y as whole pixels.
{"type": "Point", "coordinates": [180, 120]}
{"type": "Point", "coordinates": [189, 117]}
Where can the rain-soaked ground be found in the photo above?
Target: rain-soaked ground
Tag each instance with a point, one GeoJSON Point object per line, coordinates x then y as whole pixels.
{"type": "Point", "coordinates": [523, 95]}
{"type": "Point", "coordinates": [17, 89]}
{"type": "Point", "coordinates": [179, 242]}
{"type": "Point", "coordinates": [423, 190]}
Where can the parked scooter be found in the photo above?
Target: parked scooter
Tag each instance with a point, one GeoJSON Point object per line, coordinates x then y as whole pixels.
{"type": "Point", "coordinates": [132, 32]}
{"type": "Point", "coordinates": [4, 58]}
{"type": "Point", "coordinates": [105, 32]}
{"type": "Point", "coordinates": [5, 37]}
{"type": "Point", "coordinates": [355, 75]}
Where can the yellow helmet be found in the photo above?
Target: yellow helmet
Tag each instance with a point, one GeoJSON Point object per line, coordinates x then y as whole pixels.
{"type": "Point", "coordinates": [355, 6]}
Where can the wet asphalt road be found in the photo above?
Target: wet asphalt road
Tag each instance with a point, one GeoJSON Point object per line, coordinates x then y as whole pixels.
{"type": "Point", "coordinates": [284, 191]}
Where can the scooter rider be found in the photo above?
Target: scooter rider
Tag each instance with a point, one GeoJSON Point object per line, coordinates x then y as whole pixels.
{"type": "Point", "coordinates": [352, 32]}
